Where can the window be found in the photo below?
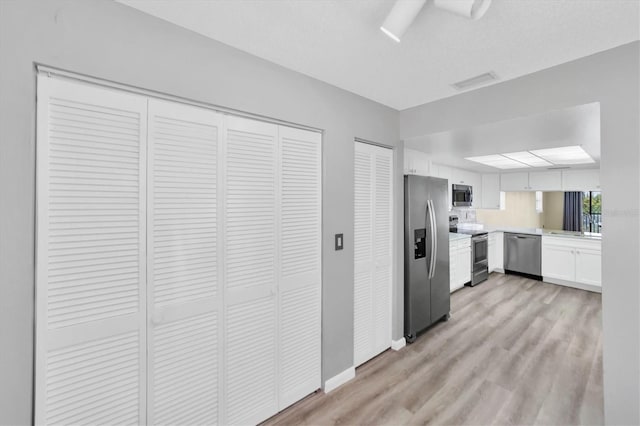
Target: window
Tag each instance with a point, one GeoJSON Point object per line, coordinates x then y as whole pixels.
{"type": "Point", "coordinates": [592, 211]}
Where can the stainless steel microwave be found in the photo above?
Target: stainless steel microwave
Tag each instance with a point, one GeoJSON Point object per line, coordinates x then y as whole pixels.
{"type": "Point", "coordinates": [462, 195]}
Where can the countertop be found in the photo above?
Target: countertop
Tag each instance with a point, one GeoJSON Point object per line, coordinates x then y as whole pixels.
{"type": "Point", "coordinates": [538, 231]}
{"type": "Point", "coordinates": [454, 237]}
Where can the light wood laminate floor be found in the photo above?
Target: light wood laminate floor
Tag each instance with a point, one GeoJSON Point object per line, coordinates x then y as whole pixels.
{"type": "Point", "coordinates": [515, 351]}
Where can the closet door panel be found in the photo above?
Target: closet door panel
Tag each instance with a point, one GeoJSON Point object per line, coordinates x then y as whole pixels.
{"type": "Point", "coordinates": [183, 298]}
{"type": "Point", "coordinates": [373, 246]}
{"type": "Point", "coordinates": [363, 253]}
{"type": "Point", "coordinates": [251, 266]}
{"type": "Point", "coordinates": [299, 296]}
{"type": "Point", "coordinates": [90, 271]}
{"type": "Point", "coordinates": [383, 246]}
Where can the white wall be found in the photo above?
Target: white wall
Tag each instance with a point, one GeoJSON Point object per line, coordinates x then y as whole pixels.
{"type": "Point", "coordinates": [108, 40]}
{"type": "Point", "coordinates": [611, 78]}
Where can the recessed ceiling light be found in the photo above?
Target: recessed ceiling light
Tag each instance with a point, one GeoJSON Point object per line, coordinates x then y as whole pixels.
{"type": "Point", "coordinates": [498, 161]}
{"type": "Point", "coordinates": [564, 155]}
{"type": "Point", "coordinates": [528, 158]}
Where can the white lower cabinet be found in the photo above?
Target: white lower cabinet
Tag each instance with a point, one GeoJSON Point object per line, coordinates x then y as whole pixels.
{"type": "Point", "coordinates": [589, 266]}
{"type": "Point", "coordinates": [495, 256]}
{"type": "Point", "coordinates": [459, 263]}
{"type": "Point", "coordinates": [179, 261]}
{"type": "Point", "coordinates": [572, 262]}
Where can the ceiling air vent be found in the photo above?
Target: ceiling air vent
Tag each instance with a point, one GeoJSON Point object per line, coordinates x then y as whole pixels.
{"type": "Point", "coordinates": [559, 168]}
{"type": "Point", "coordinates": [478, 80]}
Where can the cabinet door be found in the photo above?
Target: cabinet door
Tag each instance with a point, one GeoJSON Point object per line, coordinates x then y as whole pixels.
{"type": "Point", "coordinates": [90, 343]}
{"type": "Point", "coordinates": [250, 259]}
{"type": "Point", "coordinates": [461, 177]}
{"type": "Point", "coordinates": [421, 163]}
{"type": "Point", "coordinates": [581, 180]}
{"type": "Point", "coordinates": [492, 252]}
{"type": "Point", "coordinates": [490, 191]}
{"type": "Point", "coordinates": [545, 181]}
{"type": "Point", "coordinates": [558, 262]}
{"type": "Point", "coordinates": [445, 172]}
{"type": "Point", "coordinates": [464, 265]}
{"type": "Point", "coordinates": [589, 266]}
{"type": "Point", "coordinates": [182, 258]}
{"type": "Point", "coordinates": [514, 182]}
{"type": "Point", "coordinates": [499, 259]}
{"type": "Point", "coordinates": [409, 161]}
{"type": "Point", "coordinates": [453, 262]}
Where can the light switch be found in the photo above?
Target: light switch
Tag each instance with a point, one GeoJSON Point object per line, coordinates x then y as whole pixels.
{"type": "Point", "coordinates": [339, 242]}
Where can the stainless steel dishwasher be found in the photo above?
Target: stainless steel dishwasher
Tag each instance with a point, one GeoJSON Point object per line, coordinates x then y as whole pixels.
{"type": "Point", "coordinates": [522, 253]}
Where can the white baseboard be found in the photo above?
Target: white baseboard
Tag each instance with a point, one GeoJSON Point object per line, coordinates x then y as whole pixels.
{"type": "Point", "coordinates": [498, 270]}
{"type": "Point", "coordinates": [339, 379]}
{"type": "Point", "coordinates": [588, 287]}
{"type": "Point", "coordinates": [396, 345]}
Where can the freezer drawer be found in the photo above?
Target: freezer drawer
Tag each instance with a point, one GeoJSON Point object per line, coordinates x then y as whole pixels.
{"type": "Point", "coordinates": [523, 253]}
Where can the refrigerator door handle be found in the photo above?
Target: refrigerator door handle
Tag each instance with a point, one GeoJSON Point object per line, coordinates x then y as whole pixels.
{"type": "Point", "coordinates": [434, 240]}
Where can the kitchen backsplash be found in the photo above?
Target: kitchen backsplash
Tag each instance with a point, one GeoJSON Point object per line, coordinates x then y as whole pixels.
{"type": "Point", "coordinates": [465, 215]}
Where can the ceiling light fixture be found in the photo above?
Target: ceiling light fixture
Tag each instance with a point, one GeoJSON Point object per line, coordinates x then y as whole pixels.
{"type": "Point", "coordinates": [528, 158]}
{"type": "Point", "coordinates": [498, 161]}
{"type": "Point", "coordinates": [405, 11]}
{"type": "Point", "coordinates": [565, 155]}
{"type": "Point", "coordinates": [472, 9]}
{"type": "Point", "coordinates": [536, 158]}
{"type": "Point", "coordinates": [401, 16]}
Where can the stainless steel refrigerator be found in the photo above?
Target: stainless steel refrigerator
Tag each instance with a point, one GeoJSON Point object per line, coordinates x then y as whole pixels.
{"type": "Point", "coordinates": [426, 253]}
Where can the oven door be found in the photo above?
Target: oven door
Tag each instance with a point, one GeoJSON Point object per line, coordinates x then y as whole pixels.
{"type": "Point", "coordinates": [479, 261]}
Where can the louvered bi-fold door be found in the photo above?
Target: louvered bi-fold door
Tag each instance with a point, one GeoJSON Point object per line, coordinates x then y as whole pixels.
{"type": "Point", "coordinates": [90, 270]}
{"type": "Point", "coordinates": [373, 247]}
{"type": "Point", "coordinates": [183, 272]}
{"type": "Point", "coordinates": [300, 274]}
{"type": "Point", "coordinates": [251, 268]}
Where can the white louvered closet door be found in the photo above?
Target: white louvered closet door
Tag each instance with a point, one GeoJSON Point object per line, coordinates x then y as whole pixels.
{"type": "Point", "coordinates": [251, 268]}
{"type": "Point", "coordinates": [90, 271]}
{"type": "Point", "coordinates": [183, 267]}
{"type": "Point", "coordinates": [300, 282]}
{"type": "Point", "coordinates": [373, 250]}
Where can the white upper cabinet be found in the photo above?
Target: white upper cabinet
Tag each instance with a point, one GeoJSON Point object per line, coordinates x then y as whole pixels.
{"type": "Point", "coordinates": [581, 180]}
{"type": "Point", "coordinates": [514, 181]}
{"type": "Point", "coordinates": [416, 163]}
{"type": "Point", "coordinates": [569, 180]}
{"type": "Point", "coordinates": [545, 181]}
{"type": "Point", "coordinates": [463, 177]}
{"type": "Point", "coordinates": [490, 191]}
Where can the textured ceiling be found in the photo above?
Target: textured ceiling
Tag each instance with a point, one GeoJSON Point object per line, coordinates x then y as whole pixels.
{"type": "Point", "coordinates": [339, 41]}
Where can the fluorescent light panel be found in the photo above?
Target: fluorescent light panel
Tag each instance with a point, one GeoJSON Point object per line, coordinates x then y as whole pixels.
{"type": "Point", "coordinates": [498, 161]}
{"type": "Point", "coordinates": [565, 155]}
{"type": "Point", "coordinates": [535, 158]}
{"type": "Point", "coordinates": [528, 158]}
